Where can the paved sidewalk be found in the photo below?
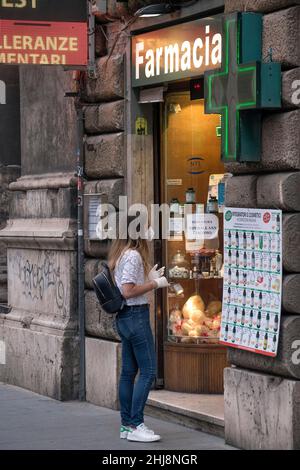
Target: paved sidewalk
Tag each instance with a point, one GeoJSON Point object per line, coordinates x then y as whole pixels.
{"type": "Point", "coordinates": [33, 422]}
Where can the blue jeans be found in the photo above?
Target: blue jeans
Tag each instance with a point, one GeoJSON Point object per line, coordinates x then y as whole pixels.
{"type": "Point", "coordinates": [138, 354]}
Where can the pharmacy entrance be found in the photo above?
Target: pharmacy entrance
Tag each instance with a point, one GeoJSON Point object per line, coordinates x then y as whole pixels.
{"type": "Point", "coordinates": [192, 183]}
{"type": "Point", "coordinates": [189, 176]}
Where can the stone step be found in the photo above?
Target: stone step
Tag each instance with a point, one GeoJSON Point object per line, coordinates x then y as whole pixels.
{"type": "Point", "coordinates": [200, 412]}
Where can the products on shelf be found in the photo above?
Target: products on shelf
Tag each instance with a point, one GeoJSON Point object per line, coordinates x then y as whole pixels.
{"type": "Point", "coordinates": [180, 267]}
{"type": "Point", "coordinates": [195, 302]}
{"type": "Point", "coordinates": [197, 265]}
{"type": "Point", "coordinates": [219, 261]}
{"type": "Point", "coordinates": [217, 183]}
{"type": "Point", "coordinates": [214, 307]}
{"type": "Point", "coordinates": [175, 321]}
{"type": "Point", "coordinates": [195, 321]}
{"type": "Point", "coordinates": [190, 196]}
{"type": "Point", "coordinates": [174, 205]}
{"type": "Point", "coordinates": [179, 272]}
{"type": "Point", "coordinates": [212, 205]}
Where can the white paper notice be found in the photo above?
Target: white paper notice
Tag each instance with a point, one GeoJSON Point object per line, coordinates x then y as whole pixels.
{"type": "Point", "coordinates": [252, 279]}
{"type": "Point", "coordinates": [202, 226]}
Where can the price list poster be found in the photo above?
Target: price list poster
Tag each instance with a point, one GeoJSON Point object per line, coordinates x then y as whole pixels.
{"type": "Point", "coordinates": [252, 279]}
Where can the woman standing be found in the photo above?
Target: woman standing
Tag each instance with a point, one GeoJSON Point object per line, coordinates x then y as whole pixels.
{"type": "Point", "coordinates": [129, 260]}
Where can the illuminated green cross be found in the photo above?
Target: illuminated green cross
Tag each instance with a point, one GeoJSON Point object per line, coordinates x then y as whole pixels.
{"type": "Point", "coordinates": [237, 87]}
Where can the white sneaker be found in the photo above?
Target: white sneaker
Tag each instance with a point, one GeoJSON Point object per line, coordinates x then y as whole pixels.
{"type": "Point", "coordinates": [124, 430]}
{"type": "Point", "coordinates": [142, 434]}
{"type": "Point", "coordinates": [145, 428]}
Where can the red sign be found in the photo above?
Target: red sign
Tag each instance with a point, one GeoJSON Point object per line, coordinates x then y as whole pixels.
{"type": "Point", "coordinates": [267, 217]}
{"type": "Point", "coordinates": [43, 43]}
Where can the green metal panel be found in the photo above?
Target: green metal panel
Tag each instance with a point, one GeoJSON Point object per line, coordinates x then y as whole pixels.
{"type": "Point", "coordinates": [250, 37]}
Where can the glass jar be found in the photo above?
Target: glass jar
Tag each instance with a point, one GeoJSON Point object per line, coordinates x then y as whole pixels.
{"type": "Point", "coordinates": [190, 196]}
{"type": "Point", "coordinates": [174, 205]}
{"type": "Point", "coordinates": [212, 205]}
{"type": "Point", "coordinates": [179, 266]}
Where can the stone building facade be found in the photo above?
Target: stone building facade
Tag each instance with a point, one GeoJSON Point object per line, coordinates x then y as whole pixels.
{"type": "Point", "coordinates": [261, 394]}
{"type": "Point", "coordinates": [41, 331]}
{"type": "Point", "coordinates": [9, 154]}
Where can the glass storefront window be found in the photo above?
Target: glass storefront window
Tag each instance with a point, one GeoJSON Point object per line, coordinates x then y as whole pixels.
{"type": "Point", "coordinates": [194, 183]}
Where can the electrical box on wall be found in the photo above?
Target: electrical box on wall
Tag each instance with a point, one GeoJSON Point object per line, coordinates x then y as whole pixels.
{"type": "Point", "coordinates": [270, 85]}
{"type": "Point", "coordinates": [94, 202]}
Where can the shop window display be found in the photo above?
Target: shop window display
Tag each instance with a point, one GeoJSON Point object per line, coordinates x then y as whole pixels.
{"type": "Point", "coordinates": [194, 188]}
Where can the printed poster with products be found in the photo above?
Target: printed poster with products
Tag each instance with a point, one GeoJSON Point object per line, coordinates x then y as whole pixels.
{"type": "Point", "coordinates": [252, 279]}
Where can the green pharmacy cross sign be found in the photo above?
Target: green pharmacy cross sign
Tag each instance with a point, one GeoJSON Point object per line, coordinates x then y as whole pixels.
{"type": "Point", "coordinates": [242, 87]}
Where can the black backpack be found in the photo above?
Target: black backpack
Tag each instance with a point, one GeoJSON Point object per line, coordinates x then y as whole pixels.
{"type": "Point", "coordinates": [108, 293]}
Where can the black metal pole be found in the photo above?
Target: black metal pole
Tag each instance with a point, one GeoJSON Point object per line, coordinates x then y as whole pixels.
{"type": "Point", "coordinates": [80, 253]}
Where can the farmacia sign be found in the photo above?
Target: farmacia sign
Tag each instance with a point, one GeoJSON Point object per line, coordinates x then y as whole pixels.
{"type": "Point", "coordinates": [177, 52]}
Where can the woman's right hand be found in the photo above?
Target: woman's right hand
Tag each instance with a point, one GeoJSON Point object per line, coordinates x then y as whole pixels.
{"type": "Point", "coordinates": [156, 273]}
{"type": "Point", "coordinates": [161, 282]}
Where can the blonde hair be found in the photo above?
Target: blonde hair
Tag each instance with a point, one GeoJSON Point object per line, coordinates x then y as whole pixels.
{"type": "Point", "coordinates": [120, 245]}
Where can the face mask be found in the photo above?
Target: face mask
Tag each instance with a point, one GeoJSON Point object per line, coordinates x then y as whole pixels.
{"type": "Point", "coordinates": [150, 234]}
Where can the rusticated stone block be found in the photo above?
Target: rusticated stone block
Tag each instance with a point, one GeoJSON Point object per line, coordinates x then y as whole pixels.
{"type": "Point", "coordinates": [48, 130]}
{"type": "Point", "coordinates": [286, 362]}
{"type": "Point", "coordinates": [44, 360]}
{"type": "Point", "coordinates": [44, 203]}
{"type": "Point", "coordinates": [241, 191]}
{"type": "Point", "coordinates": [104, 156]}
{"type": "Point", "coordinates": [264, 6]}
{"type": "Point", "coordinates": [96, 248]}
{"type": "Point", "coordinates": [291, 293]}
{"type": "Point", "coordinates": [107, 117]}
{"type": "Point", "coordinates": [98, 323]}
{"type": "Point", "coordinates": [261, 411]}
{"type": "Point", "coordinates": [280, 145]}
{"type": "Point", "coordinates": [109, 190]}
{"type": "Point", "coordinates": [291, 242]}
{"type": "Point", "coordinates": [117, 38]}
{"type": "Point", "coordinates": [43, 282]}
{"type": "Point", "coordinates": [281, 141]}
{"type": "Point", "coordinates": [279, 191]}
{"type": "Point", "coordinates": [91, 269]}
{"type": "Point", "coordinates": [281, 33]}
{"type": "Point", "coordinates": [117, 9]}
{"type": "Point", "coordinates": [103, 359]}
{"type": "Point", "coordinates": [100, 41]}
{"type": "Point", "coordinates": [109, 84]}
{"type": "Point", "coordinates": [291, 88]}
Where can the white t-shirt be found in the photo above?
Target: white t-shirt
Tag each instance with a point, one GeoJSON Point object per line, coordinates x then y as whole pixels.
{"type": "Point", "coordinates": [130, 270]}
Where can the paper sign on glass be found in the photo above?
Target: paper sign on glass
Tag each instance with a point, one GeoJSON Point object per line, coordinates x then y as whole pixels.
{"type": "Point", "coordinates": [202, 226]}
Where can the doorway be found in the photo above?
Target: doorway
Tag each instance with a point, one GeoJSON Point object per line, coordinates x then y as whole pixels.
{"type": "Point", "coordinates": [191, 175]}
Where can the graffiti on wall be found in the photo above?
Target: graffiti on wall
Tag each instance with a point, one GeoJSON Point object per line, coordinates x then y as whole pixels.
{"type": "Point", "coordinates": [42, 278]}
